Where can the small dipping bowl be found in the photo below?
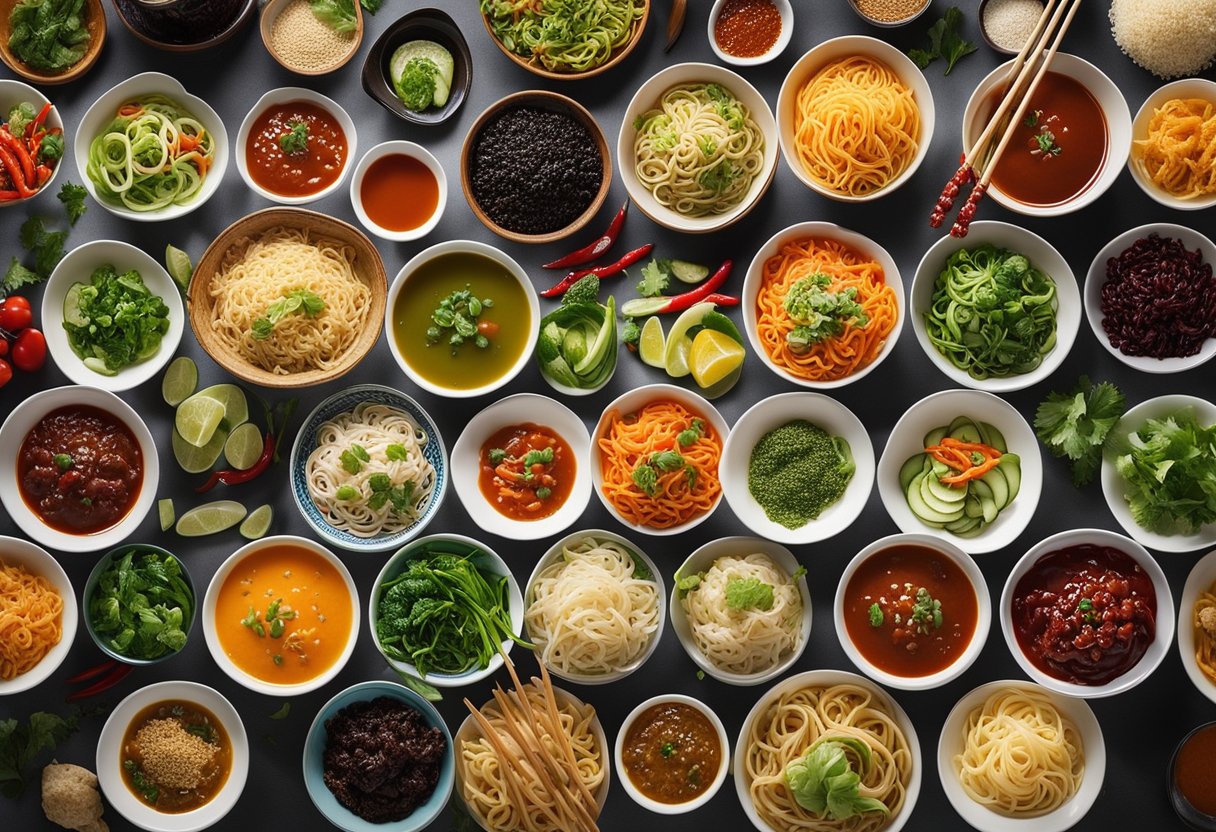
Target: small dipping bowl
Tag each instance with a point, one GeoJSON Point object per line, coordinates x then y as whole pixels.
{"type": "Point", "coordinates": [987, 36]}
{"type": "Point", "coordinates": [1197, 752]}
{"type": "Point", "coordinates": [784, 8]}
{"type": "Point", "coordinates": [856, 5]}
{"type": "Point", "coordinates": [408, 150]}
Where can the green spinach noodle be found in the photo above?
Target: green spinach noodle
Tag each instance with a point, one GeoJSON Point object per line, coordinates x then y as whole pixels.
{"type": "Point", "coordinates": [993, 313]}
{"type": "Point", "coordinates": [153, 154]}
{"type": "Point", "coordinates": [563, 35]}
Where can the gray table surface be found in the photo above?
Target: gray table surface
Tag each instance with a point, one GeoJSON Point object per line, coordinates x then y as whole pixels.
{"type": "Point", "coordinates": [1141, 726]}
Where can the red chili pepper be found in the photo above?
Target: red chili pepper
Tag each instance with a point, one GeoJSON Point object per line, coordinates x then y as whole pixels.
{"type": "Point", "coordinates": [722, 300]}
{"type": "Point", "coordinates": [681, 302]}
{"type": "Point", "coordinates": [589, 252]}
{"type": "Point", "coordinates": [13, 168]}
{"type": "Point", "coordinates": [232, 476]}
{"type": "Point", "coordinates": [21, 153]}
{"type": "Point", "coordinates": [599, 271]}
{"type": "Point", "coordinates": [36, 125]}
{"type": "Point", "coordinates": [9, 196]}
{"type": "Point", "coordinates": [95, 670]}
{"type": "Point", "coordinates": [103, 684]}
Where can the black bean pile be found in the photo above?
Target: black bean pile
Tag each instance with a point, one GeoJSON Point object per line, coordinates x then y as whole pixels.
{"type": "Point", "coordinates": [533, 171]}
{"type": "Point", "coordinates": [381, 759]}
{"type": "Point", "coordinates": [1159, 300]}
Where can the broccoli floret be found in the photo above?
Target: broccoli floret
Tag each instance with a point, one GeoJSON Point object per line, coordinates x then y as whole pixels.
{"type": "Point", "coordinates": [416, 86]}
{"type": "Point", "coordinates": [631, 333]}
{"type": "Point", "coordinates": [585, 290]}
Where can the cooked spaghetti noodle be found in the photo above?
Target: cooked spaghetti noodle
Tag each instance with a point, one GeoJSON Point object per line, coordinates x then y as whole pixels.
{"type": "Point", "coordinates": [1178, 154]}
{"type": "Point", "coordinates": [699, 151]}
{"type": "Point", "coordinates": [857, 126]}
{"type": "Point", "coordinates": [1021, 757]}
{"type": "Point", "coordinates": [31, 620]}
{"type": "Point", "coordinates": [154, 154]}
{"type": "Point", "coordinates": [670, 491]}
{"type": "Point", "coordinates": [793, 722]}
{"type": "Point", "coordinates": [856, 346]}
{"type": "Point", "coordinates": [591, 612]}
{"type": "Point", "coordinates": [258, 272]}
{"type": "Point", "coordinates": [1204, 621]}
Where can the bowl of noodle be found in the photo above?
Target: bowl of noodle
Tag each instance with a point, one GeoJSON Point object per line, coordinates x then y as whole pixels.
{"type": "Point", "coordinates": [1197, 625]}
{"type": "Point", "coordinates": [842, 262]}
{"type": "Point", "coordinates": [703, 145]}
{"type": "Point", "coordinates": [594, 607]}
{"type": "Point", "coordinates": [1015, 757]}
{"type": "Point", "coordinates": [737, 644]}
{"type": "Point", "coordinates": [855, 117]}
{"type": "Point", "coordinates": [1173, 156]}
{"type": "Point", "coordinates": [401, 442]}
{"type": "Point", "coordinates": [38, 616]}
{"type": "Point", "coordinates": [564, 41]}
{"type": "Point", "coordinates": [287, 297]}
{"type": "Point", "coordinates": [860, 722]}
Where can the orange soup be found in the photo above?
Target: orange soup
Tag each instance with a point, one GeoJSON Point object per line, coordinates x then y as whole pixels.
{"type": "Point", "coordinates": [283, 614]}
{"type": "Point", "coordinates": [399, 192]}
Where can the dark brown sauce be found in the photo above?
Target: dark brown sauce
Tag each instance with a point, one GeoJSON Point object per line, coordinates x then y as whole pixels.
{"type": "Point", "coordinates": [1195, 770]}
{"type": "Point", "coordinates": [672, 752]}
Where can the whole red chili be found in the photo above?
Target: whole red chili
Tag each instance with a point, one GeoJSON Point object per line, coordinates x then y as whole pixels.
{"type": "Point", "coordinates": [233, 476]}
{"type": "Point", "coordinates": [116, 675]}
{"type": "Point", "coordinates": [599, 271]}
{"type": "Point", "coordinates": [597, 247]}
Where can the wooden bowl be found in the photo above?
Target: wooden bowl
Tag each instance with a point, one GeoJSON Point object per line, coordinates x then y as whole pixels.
{"type": "Point", "coordinates": [548, 101]}
{"type": "Point", "coordinates": [369, 268]}
{"type": "Point", "coordinates": [95, 21]}
{"type": "Point", "coordinates": [271, 13]}
{"type": "Point", "coordinates": [536, 69]}
{"type": "Point", "coordinates": [154, 26]}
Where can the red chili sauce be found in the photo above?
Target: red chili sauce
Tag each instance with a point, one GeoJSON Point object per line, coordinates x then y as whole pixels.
{"type": "Point", "coordinates": [1085, 614]}
{"type": "Point", "coordinates": [527, 471]}
{"type": "Point", "coordinates": [747, 28]}
{"type": "Point", "coordinates": [80, 469]}
{"type": "Point", "coordinates": [300, 174]}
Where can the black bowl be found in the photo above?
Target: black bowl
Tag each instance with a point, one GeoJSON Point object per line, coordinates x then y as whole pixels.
{"type": "Point", "coordinates": [182, 26]}
{"type": "Point", "coordinates": [1188, 814]}
{"type": "Point", "coordinates": [422, 24]}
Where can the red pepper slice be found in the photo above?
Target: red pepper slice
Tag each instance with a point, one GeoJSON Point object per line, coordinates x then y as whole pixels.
{"type": "Point", "coordinates": [594, 249]}
{"type": "Point", "coordinates": [34, 126]}
{"type": "Point", "coordinates": [232, 476]}
{"type": "Point", "coordinates": [599, 271]}
{"type": "Point", "coordinates": [20, 153]}
{"type": "Point", "coordinates": [108, 681]}
{"type": "Point", "coordinates": [721, 300]}
{"type": "Point", "coordinates": [9, 196]}
{"type": "Point", "coordinates": [13, 168]}
{"type": "Point", "coordinates": [95, 670]}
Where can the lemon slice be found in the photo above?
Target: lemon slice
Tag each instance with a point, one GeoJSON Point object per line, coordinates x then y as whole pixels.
{"type": "Point", "coordinates": [165, 509]}
{"type": "Point", "coordinates": [713, 357]}
{"type": "Point", "coordinates": [180, 381]}
{"type": "Point", "coordinates": [257, 523]}
{"type": "Point", "coordinates": [243, 446]}
{"type": "Point", "coordinates": [651, 341]}
{"type": "Point", "coordinates": [210, 518]}
{"type": "Point", "coordinates": [198, 418]}
{"type": "Point", "coordinates": [675, 352]}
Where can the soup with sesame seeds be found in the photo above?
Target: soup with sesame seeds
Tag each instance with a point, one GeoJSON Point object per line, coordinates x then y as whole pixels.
{"type": "Point", "coordinates": [176, 756]}
{"type": "Point", "coordinates": [283, 614]}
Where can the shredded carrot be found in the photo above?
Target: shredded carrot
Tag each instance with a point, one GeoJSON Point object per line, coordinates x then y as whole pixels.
{"type": "Point", "coordinates": [972, 473]}
{"type": "Point", "coordinates": [957, 455]}
{"type": "Point", "coordinates": [130, 109]}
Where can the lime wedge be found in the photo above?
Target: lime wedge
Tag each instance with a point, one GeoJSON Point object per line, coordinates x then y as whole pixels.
{"type": "Point", "coordinates": [197, 460]}
{"type": "Point", "coordinates": [167, 515]}
{"type": "Point", "coordinates": [675, 352]}
{"type": "Point", "coordinates": [210, 518]}
{"type": "Point", "coordinates": [180, 381]}
{"type": "Point", "coordinates": [257, 523]}
{"type": "Point", "coordinates": [198, 418]}
{"type": "Point", "coordinates": [650, 343]}
{"type": "Point", "coordinates": [236, 406]}
{"type": "Point", "coordinates": [177, 264]}
{"type": "Point", "coordinates": [243, 446]}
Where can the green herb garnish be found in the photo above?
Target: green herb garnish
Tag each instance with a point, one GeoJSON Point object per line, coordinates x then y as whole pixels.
{"type": "Point", "coordinates": [114, 320]}
{"type": "Point", "coordinates": [142, 784]}
{"type": "Point", "coordinates": [749, 594]}
{"type": "Point", "coordinates": [458, 312]}
{"type": "Point", "coordinates": [876, 615]}
{"type": "Point", "coordinates": [826, 781]}
{"type": "Point", "coordinates": [926, 612]}
{"type": "Point", "coordinates": [820, 314]}
{"type": "Point", "coordinates": [667, 750]}
{"type": "Point", "coordinates": [295, 141]}
{"type": "Point", "coordinates": [1076, 424]}
{"type": "Point", "coordinates": [304, 301]}
{"type": "Point", "coordinates": [62, 461]}
{"type": "Point", "coordinates": [944, 42]}
{"type": "Point", "coordinates": [694, 431]}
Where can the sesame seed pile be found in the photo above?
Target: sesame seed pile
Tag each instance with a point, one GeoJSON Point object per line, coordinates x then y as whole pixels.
{"type": "Point", "coordinates": [889, 11]}
{"type": "Point", "coordinates": [304, 42]}
{"type": "Point", "coordinates": [172, 756]}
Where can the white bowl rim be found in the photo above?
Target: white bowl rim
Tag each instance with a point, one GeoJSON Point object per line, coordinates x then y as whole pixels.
{"type": "Point", "coordinates": [784, 8]}
{"type": "Point", "coordinates": [1165, 92]}
{"type": "Point", "coordinates": [979, 637]}
{"type": "Point", "coordinates": [17, 551]}
{"type": "Point", "coordinates": [1198, 580]}
{"type": "Point", "coordinates": [53, 119]}
{"type": "Point", "coordinates": [1163, 632]}
{"type": "Point", "coordinates": [398, 147]}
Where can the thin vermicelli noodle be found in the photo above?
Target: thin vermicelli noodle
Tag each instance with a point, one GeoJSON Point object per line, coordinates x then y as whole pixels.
{"type": "Point", "coordinates": [375, 428]}
{"type": "Point", "coordinates": [793, 722]}
{"type": "Point", "coordinates": [31, 620]}
{"type": "Point", "coordinates": [1204, 622]}
{"type": "Point", "coordinates": [564, 35]}
{"type": "Point", "coordinates": [589, 613]}
{"type": "Point", "coordinates": [1178, 154]}
{"type": "Point", "coordinates": [744, 641]}
{"type": "Point", "coordinates": [1021, 757]}
{"type": "Point", "coordinates": [680, 494]}
{"type": "Point", "coordinates": [855, 347]}
{"type": "Point", "coordinates": [260, 271]}
{"type": "Point", "coordinates": [699, 151]}
{"type": "Point", "coordinates": [857, 126]}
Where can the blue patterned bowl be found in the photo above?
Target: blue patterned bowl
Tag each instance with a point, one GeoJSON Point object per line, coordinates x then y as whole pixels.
{"type": "Point", "coordinates": [306, 443]}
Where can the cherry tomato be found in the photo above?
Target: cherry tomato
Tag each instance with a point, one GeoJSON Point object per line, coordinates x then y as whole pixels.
{"type": "Point", "coordinates": [487, 328]}
{"type": "Point", "coordinates": [29, 350]}
{"type": "Point", "coordinates": [6, 372]}
{"type": "Point", "coordinates": [15, 313]}
{"type": "Point", "coordinates": [3, 347]}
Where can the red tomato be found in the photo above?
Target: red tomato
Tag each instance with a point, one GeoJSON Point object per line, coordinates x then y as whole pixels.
{"type": "Point", "coordinates": [3, 347]}
{"type": "Point", "coordinates": [15, 313]}
{"type": "Point", "coordinates": [6, 372]}
{"type": "Point", "coordinates": [29, 350]}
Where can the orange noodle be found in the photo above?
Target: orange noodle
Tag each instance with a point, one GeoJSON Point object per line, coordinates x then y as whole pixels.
{"type": "Point", "coordinates": [31, 620]}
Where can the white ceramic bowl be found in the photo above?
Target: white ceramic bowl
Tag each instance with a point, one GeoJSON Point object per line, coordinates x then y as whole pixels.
{"type": "Point", "coordinates": [701, 560]}
{"type": "Point", "coordinates": [828, 678]}
{"type": "Point", "coordinates": [110, 757]}
{"type": "Point", "coordinates": [77, 267]}
{"type": "Point", "coordinates": [102, 112]}
{"type": "Point", "coordinates": [489, 561]}
{"type": "Point", "coordinates": [1200, 580]}
{"type": "Point", "coordinates": [984, 819]}
{"type": "Point", "coordinates": [14, 92]}
{"type": "Point", "coordinates": [286, 95]}
{"type": "Point", "coordinates": [964, 660]}
{"type": "Point", "coordinates": [508, 263]}
{"type": "Point", "coordinates": [1112, 483]}
{"type": "Point", "coordinates": [1096, 279]}
{"type": "Point", "coordinates": [634, 401]}
{"type": "Point", "coordinates": [1163, 632]}
{"type": "Point", "coordinates": [889, 24]}
{"type": "Point", "coordinates": [633, 791]}
{"type": "Point", "coordinates": [398, 148]}
{"type": "Point", "coordinates": [1118, 127]}
{"type": "Point", "coordinates": [1185, 88]}
{"type": "Point", "coordinates": [38, 561]}
{"type": "Point", "coordinates": [827, 230]}
{"type": "Point", "coordinates": [939, 409]}
{"type": "Point", "coordinates": [553, 555]}
{"type": "Point", "coordinates": [1043, 256]}
{"type": "Point", "coordinates": [514, 410]}
{"type": "Point", "coordinates": [784, 8]}
{"type": "Point", "coordinates": [769, 414]}
{"type": "Point", "coordinates": [647, 98]}
{"type": "Point", "coordinates": [28, 413]}
{"type": "Point", "coordinates": [834, 49]}
{"type": "Point", "coordinates": [229, 667]}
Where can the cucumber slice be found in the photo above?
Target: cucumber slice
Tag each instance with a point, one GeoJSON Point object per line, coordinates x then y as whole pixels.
{"type": "Point", "coordinates": [915, 465]}
{"type": "Point", "coordinates": [441, 57]}
{"type": "Point", "coordinates": [967, 432]}
{"type": "Point", "coordinates": [1011, 466]}
{"type": "Point", "coordinates": [963, 525]}
{"type": "Point", "coordinates": [926, 514]}
{"type": "Point", "coordinates": [953, 510]}
{"type": "Point", "coordinates": [687, 272]}
{"type": "Point", "coordinates": [934, 437]}
{"type": "Point", "coordinates": [958, 423]}
{"type": "Point", "coordinates": [972, 507]}
{"type": "Point", "coordinates": [993, 437]}
{"type": "Point", "coordinates": [71, 306]}
{"type": "Point", "coordinates": [995, 480]}
{"type": "Point", "coordinates": [945, 492]}
{"type": "Point", "coordinates": [98, 365]}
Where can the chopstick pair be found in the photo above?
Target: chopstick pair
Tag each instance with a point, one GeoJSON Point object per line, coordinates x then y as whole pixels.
{"type": "Point", "coordinates": [1027, 72]}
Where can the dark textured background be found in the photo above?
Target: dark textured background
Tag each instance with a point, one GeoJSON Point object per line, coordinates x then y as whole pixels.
{"type": "Point", "coordinates": [1141, 726]}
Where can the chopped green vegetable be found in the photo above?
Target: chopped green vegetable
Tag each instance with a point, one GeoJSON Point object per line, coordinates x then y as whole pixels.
{"type": "Point", "coordinates": [20, 116]}
{"type": "Point", "coordinates": [585, 290]}
{"type": "Point", "coordinates": [944, 42]}
{"type": "Point", "coordinates": [421, 73]}
{"type": "Point", "coordinates": [396, 453]}
{"type": "Point", "coordinates": [48, 35]}
{"type": "Point", "coordinates": [347, 492]}
{"type": "Point", "coordinates": [926, 612]}
{"type": "Point", "coordinates": [304, 301]}
{"type": "Point", "coordinates": [338, 15]}
{"type": "Point", "coordinates": [876, 615]}
{"type": "Point", "coordinates": [370, 6]}
{"type": "Point", "coordinates": [72, 196]}
{"type": "Point", "coordinates": [142, 783]}
{"type": "Point", "coordinates": [142, 605]}
{"type": "Point", "coordinates": [631, 333]}
{"type": "Point", "coordinates": [459, 312]}
{"type": "Point", "coordinates": [691, 434]}
{"type": "Point", "coordinates": [51, 150]}
{"type": "Point", "coordinates": [1168, 467]}
{"type": "Point", "coordinates": [668, 749]}
{"type": "Point", "coordinates": [295, 141]}
{"type": "Point", "coordinates": [826, 781]}
{"type": "Point", "coordinates": [1075, 425]}
{"type": "Point", "coordinates": [749, 594]}
{"type": "Point", "coordinates": [797, 470]}
{"type": "Point", "coordinates": [819, 313]}
{"type": "Point", "coordinates": [114, 319]}
{"type": "Point", "coordinates": [62, 461]}
{"type": "Point", "coordinates": [577, 345]}
{"type": "Point", "coordinates": [687, 583]}
{"type": "Point", "coordinates": [416, 86]}
{"type": "Point", "coordinates": [646, 478]}
{"type": "Point", "coordinates": [23, 742]}
{"type": "Point", "coordinates": [497, 455]}
{"type": "Point", "coordinates": [640, 570]}
{"type": "Point", "coordinates": [46, 246]}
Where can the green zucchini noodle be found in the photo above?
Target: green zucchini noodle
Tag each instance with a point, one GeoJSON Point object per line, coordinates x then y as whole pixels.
{"type": "Point", "coordinates": [152, 155]}
{"type": "Point", "coordinates": [993, 313]}
{"type": "Point", "coordinates": [563, 35]}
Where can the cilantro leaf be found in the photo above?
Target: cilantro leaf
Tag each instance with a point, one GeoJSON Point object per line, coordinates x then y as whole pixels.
{"type": "Point", "coordinates": [691, 434]}
{"type": "Point", "coordinates": [72, 196]}
{"type": "Point", "coordinates": [1075, 425]}
{"type": "Point", "coordinates": [18, 276]}
{"type": "Point", "coordinates": [646, 479]}
{"type": "Point", "coordinates": [22, 743]}
{"type": "Point", "coordinates": [295, 141]}
{"type": "Point", "coordinates": [304, 301]}
{"type": "Point", "coordinates": [655, 278]}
